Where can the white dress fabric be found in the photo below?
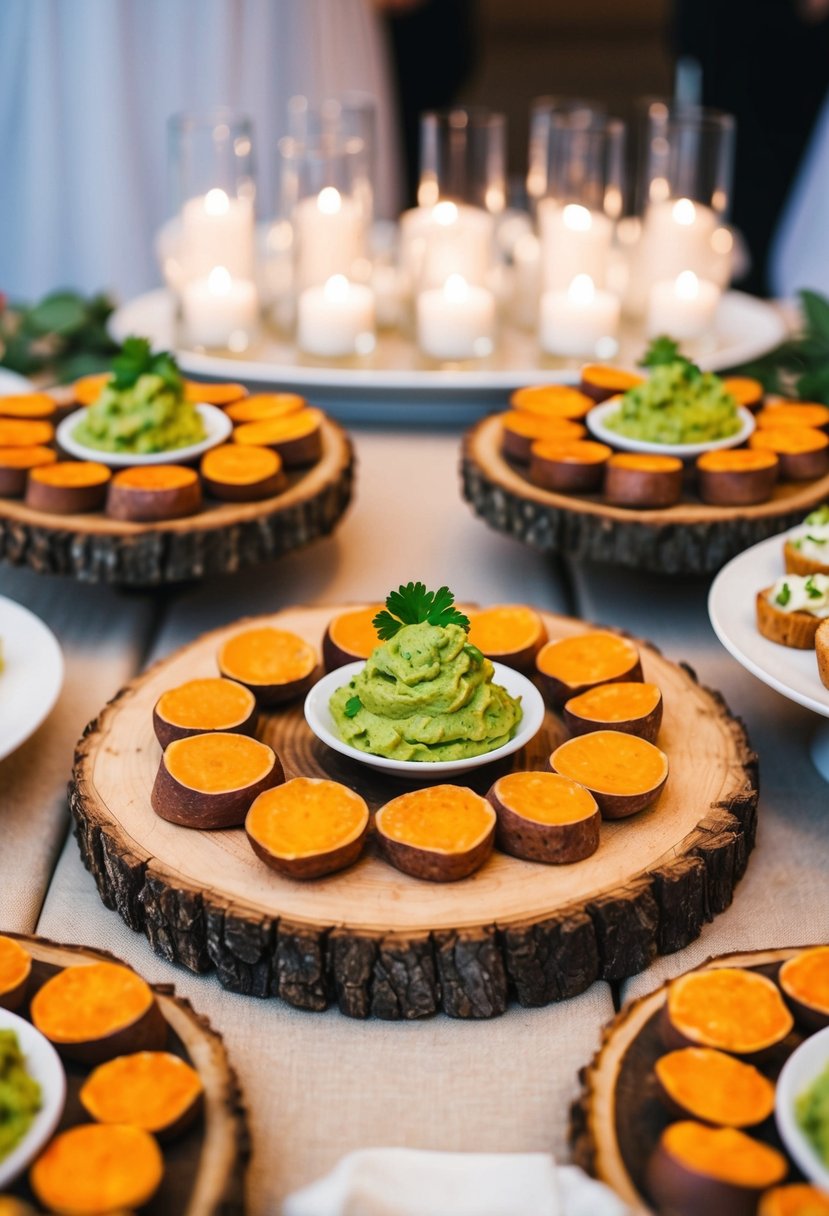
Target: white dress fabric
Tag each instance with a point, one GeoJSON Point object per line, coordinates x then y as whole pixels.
{"type": "Point", "coordinates": [800, 250]}
{"type": "Point", "coordinates": [87, 87]}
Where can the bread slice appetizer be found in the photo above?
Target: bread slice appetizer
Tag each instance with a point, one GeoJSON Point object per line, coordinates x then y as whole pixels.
{"type": "Point", "coordinates": [737, 477]}
{"type": "Point", "coordinates": [350, 636]}
{"type": "Point", "coordinates": [545, 817]}
{"type": "Point", "coordinates": [552, 401]}
{"type": "Point", "coordinates": [803, 451]}
{"type": "Point", "coordinates": [308, 827]}
{"type": "Point", "coordinates": [223, 394]}
{"type": "Point", "coordinates": [120, 1163]}
{"type": "Point", "coordinates": [276, 665]}
{"type": "Point", "coordinates": [210, 781]}
{"type": "Point", "coordinates": [568, 467]}
{"type": "Point", "coordinates": [624, 774]}
{"type": "Point", "coordinates": [508, 633]}
{"type": "Point", "coordinates": [728, 1008]}
{"type": "Point", "coordinates": [640, 479]}
{"type": "Point", "coordinates": [242, 473]}
{"type": "Point", "coordinates": [200, 706]}
{"type": "Point", "coordinates": [569, 666]}
{"type": "Point", "coordinates": [440, 833]}
{"type": "Point", "coordinates": [260, 406]}
{"type": "Point", "coordinates": [633, 707]}
{"type": "Point", "coordinates": [599, 381]}
{"type": "Point", "coordinates": [149, 493]}
{"type": "Point", "coordinates": [794, 1199]}
{"type": "Point", "coordinates": [153, 1090]}
{"type": "Point", "coordinates": [696, 1170]}
{"type": "Point", "coordinates": [15, 465]}
{"type": "Point", "coordinates": [745, 390]}
{"type": "Point", "coordinates": [519, 431]}
{"type": "Point", "coordinates": [822, 652]}
{"type": "Point", "coordinates": [96, 1011]}
{"type": "Point", "coordinates": [25, 432]}
{"type": "Point", "coordinates": [15, 969]}
{"type": "Point", "coordinates": [67, 487]}
{"type": "Point", "coordinates": [712, 1086]}
{"type": "Point", "coordinates": [804, 980]}
{"type": "Point", "coordinates": [793, 413]}
{"type": "Point", "coordinates": [297, 437]}
{"type": "Point", "coordinates": [790, 611]}
{"type": "Point", "coordinates": [807, 552]}
{"type": "Point", "coordinates": [29, 406]}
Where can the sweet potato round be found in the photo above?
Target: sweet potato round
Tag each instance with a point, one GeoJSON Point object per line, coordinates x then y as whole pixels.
{"type": "Point", "coordinates": [737, 477]}
{"type": "Point", "coordinates": [297, 437]}
{"type": "Point", "coordinates": [221, 394]}
{"type": "Point", "coordinates": [633, 707]}
{"type": "Point", "coordinates": [571, 665]}
{"type": "Point", "coordinates": [88, 389]}
{"type": "Point", "coordinates": [260, 406]}
{"type": "Point", "coordinates": [25, 432]}
{"type": "Point", "coordinates": [795, 629]}
{"type": "Point", "coordinates": [508, 633]}
{"type": "Point", "coordinates": [209, 781]}
{"type": "Point", "coordinates": [94, 1012]}
{"type": "Point", "coordinates": [552, 401]}
{"type": "Point", "coordinates": [635, 479]}
{"type": "Point", "coordinates": [153, 1090]}
{"type": "Point", "coordinates": [793, 413]}
{"type": "Point", "coordinates": [598, 381]}
{"type": "Point", "coordinates": [200, 706]}
{"type": "Point", "coordinates": [242, 473]}
{"type": "Point", "coordinates": [796, 563]}
{"type": "Point", "coordinates": [697, 1170]}
{"type": "Point", "coordinates": [711, 1086]}
{"type": "Point", "coordinates": [803, 452]}
{"type": "Point", "coordinates": [440, 833]}
{"type": "Point", "coordinates": [15, 969]}
{"type": "Point", "coordinates": [28, 405]}
{"type": "Point", "coordinates": [795, 1199]}
{"type": "Point", "coordinates": [544, 817]}
{"type": "Point", "coordinates": [350, 636]}
{"type": "Point", "coordinates": [67, 487]}
{"type": "Point", "coordinates": [728, 1008]}
{"type": "Point", "coordinates": [148, 493]}
{"type": "Point", "coordinates": [624, 773]}
{"type": "Point", "coordinates": [96, 1168]}
{"type": "Point", "coordinates": [308, 827]}
{"type": "Point", "coordinates": [571, 467]}
{"type": "Point", "coordinates": [745, 390]}
{"type": "Point", "coordinates": [804, 980]}
{"type": "Point", "coordinates": [15, 464]}
{"type": "Point", "coordinates": [276, 665]}
{"type": "Point", "coordinates": [519, 431]}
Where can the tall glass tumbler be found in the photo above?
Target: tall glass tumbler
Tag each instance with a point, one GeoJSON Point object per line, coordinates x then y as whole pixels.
{"type": "Point", "coordinates": [463, 158]}
{"type": "Point", "coordinates": [577, 111]}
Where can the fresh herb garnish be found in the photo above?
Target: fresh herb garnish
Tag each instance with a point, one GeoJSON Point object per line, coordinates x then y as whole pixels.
{"type": "Point", "coordinates": [474, 652]}
{"type": "Point", "coordinates": [412, 605]}
{"type": "Point", "coordinates": [62, 337]}
{"type": "Point", "coordinates": [352, 707]}
{"type": "Point", "coordinates": [816, 540]}
{"type": "Point", "coordinates": [813, 592]}
{"type": "Point", "coordinates": [664, 350]}
{"type": "Point", "coordinates": [784, 595]}
{"type": "Point", "coordinates": [137, 359]}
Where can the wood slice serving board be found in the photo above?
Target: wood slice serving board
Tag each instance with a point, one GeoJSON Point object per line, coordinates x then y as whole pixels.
{"type": "Point", "coordinates": [618, 1119]}
{"type": "Point", "coordinates": [690, 538]}
{"type": "Point", "coordinates": [204, 1167]}
{"type": "Point", "coordinates": [379, 942]}
{"type": "Point", "coordinates": [221, 538]}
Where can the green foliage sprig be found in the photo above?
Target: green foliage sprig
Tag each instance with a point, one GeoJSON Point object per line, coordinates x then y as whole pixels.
{"type": "Point", "coordinates": [800, 366]}
{"type": "Point", "coordinates": [62, 337]}
{"type": "Point", "coordinates": [137, 359]}
{"type": "Point", "coordinates": [412, 605]}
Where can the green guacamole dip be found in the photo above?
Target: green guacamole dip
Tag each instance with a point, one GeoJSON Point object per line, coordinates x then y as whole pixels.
{"type": "Point", "coordinates": [19, 1094]}
{"type": "Point", "coordinates": [425, 695]}
{"type": "Point", "coordinates": [676, 404]}
{"type": "Point", "coordinates": [812, 1113]}
{"type": "Point", "coordinates": [148, 417]}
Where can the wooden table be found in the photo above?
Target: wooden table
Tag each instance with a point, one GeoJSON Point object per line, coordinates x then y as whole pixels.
{"type": "Point", "coordinates": [318, 1085]}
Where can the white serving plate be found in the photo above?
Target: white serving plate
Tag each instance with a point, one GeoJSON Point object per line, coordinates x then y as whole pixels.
{"type": "Point", "coordinates": [43, 1064]}
{"type": "Point", "coordinates": [385, 386]}
{"type": "Point", "coordinates": [32, 674]}
{"type": "Point", "coordinates": [11, 383]}
{"type": "Point", "coordinates": [318, 717]}
{"type": "Point", "coordinates": [216, 424]}
{"type": "Point", "coordinates": [685, 451]}
{"type": "Point", "coordinates": [803, 1066]}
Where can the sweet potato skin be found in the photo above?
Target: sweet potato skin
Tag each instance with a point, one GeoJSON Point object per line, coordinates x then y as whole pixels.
{"type": "Point", "coordinates": [566, 476]}
{"type": "Point", "coordinates": [167, 732]}
{"type": "Point", "coordinates": [12, 998]}
{"type": "Point", "coordinates": [65, 500]}
{"type": "Point", "coordinates": [616, 806]}
{"type": "Point", "coordinates": [551, 844]}
{"type": "Point", "coordinates": [795, 629]}
{"type": "Point", "coordinates": [436, 867]}
{"type": "Point", "coordinates": [808, 1016]}
{"type": "Point", "coordinates": [316, 866]}
{"type": "Point", "coordinates": [677, 1188]}
{"type": "Point", "coordinates": [645, 727]}
{"type": "Point", "coordinates": [190, 808]}
{"type": "Point", "coordinates": [645, 488]}
{"type": "Point", "coordinates": [147, 1033]}
{"type": "Point", "coordinates": [135, 505]}
{"type": "Point", "coordinates": [736, 487]}
{"type": "Point", "coordinates": [556, 691]}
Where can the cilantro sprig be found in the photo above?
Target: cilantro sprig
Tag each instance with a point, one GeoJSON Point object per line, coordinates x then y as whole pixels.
{"type": "Point", "coordinates": [412, 605]}
{"type": "Point", "coordinates": [664, 350]}
{"type": "Point", "coordinates": [137, 359]}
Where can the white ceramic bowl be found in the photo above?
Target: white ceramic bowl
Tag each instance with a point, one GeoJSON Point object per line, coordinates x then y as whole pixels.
{"type": "Point", "coordinates": [318, 717]}
{"type": "Point", "coordinates": [43, 1064]}
{"type": "Point", "coordinates": [802, 1068]}
{"type": "Point", "coordinates": [686, 451]}
{"type": "Point", "coordinates": [216, 423]}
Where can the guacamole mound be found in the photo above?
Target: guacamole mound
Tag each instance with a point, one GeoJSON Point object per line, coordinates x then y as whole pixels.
{"type": "Point", "coordinates": [812, 1113]}
{"type": "Point", "coordinates": [677, 404]}
{"type": "Point", "coordinates": [148, 417]}
{"type": "Point", "coordinates": [19, 1094]}
{"type": "Point", "coordinates": [426, 694]}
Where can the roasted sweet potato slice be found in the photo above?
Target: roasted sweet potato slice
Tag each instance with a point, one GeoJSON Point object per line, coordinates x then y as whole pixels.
{"type": "Point", "coordinates": [147, 493]}
{"type": "Point", "coordinates": [796, 1199]}
{"type": "Point", "coordinates": [729, 1008]}
{"type": "Point", "coordinates": [350, 636]}
{"type": "Point", "coordinates": [89, 388]}
{"type": "Point", "coordinates": [804, 980]}
{"type": "Point", "coordinates": [210, 780]}
{"type": "Point", "coordinates": [545, 817]}
{"type": "Point", "coordinates": [698, 1170]}
{"type": "Point", "coordinates": [308, 827]}
{"type": "Point", "coordinates": [634, 479]}
{"type": "Point", "coordinates": [803, 452]}
{"type": "Point", "coordinates": [519, 431]}
{"type": "Point", "coordinates": [97, 1169]}
{"type": "Point", "coordinates": [67, 487]}
{"type": "Point", "coordinates": [706, 1084]}
{"type": "Point", "coordinates": [735, 477]}
{"type": "Point", "coordinates": [574, 467]}
{"type": "Point", "coordinates": [297, 436]}
{"type": "Point", "coordinates": [629, 706]}
{"type": "Point", "coordinates": [598, 381]}
{"type": "Point", "coordinates": [15, 464]}
{"type": "Point", "coordinates": [28, 405]}
{"type": "Point", "coordinates": [440, 833]}
{"type": "Point", "coordinates": [793, 413]}
{"type": "Point", "coordinates": [508, 633]}
{"type": "Point", "coordinates": [199, 706]}
{"type": "Point", "coordinates": [569, 666]}
{"type": "Point", "coordinates": [222, 394]}
{"type": "Point", "coordinates": [552, 401]}
{"type": "Point", "coordinates": [242, 473]}
{"type": "Point", "coordinates": [623, 772]}
{"type": "Point", "coordinates": [276, 665]}
{"type": "Point", "coordinates": [745, 390]}
{"type": "Point", "coordinates": [25, 432]}
{"type": "Point", "coordinates": [153, 1090]}
{"type": "Point", "coordinates": [260, 406]}
{"type": "Point", "coordinates": [15, 969]}
{"type": "Point", "coordinates": [94, 1012]}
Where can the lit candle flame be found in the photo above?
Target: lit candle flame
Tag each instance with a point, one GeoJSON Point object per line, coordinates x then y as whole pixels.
{"type": "Point", "coordinates": [216, 202]}
{"type": "Point", "coordinates": [445, 214]}
{"type": "Point", "coordinates": [581, 291]}
{"type": "Point", "coordinates": [329, 200]}
{"type": "Point", "coordinates": [684, 212]}
{"type": "Point", "coordinates": [336, 288]}
{"type": "Point", "coordinates": [219, 281]}
{"type": "Point", "coordinates": [456, 289]}
{"type": "Point", "coordinates": [577, 218]}
{"type": "Point", "coordinates": [687, 285]}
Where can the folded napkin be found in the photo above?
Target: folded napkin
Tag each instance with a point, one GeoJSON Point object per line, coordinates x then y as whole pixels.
{"type": "Point", "coordinates": [408, 1182]}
